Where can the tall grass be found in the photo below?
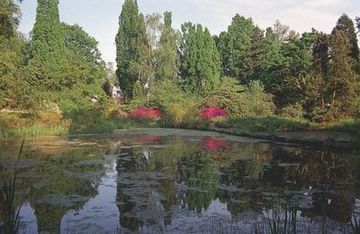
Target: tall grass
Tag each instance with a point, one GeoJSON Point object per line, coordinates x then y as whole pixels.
{"type": "Point", "coordinates": [9, 211]}
{"type": "Point", "coordinates": [265, 124]}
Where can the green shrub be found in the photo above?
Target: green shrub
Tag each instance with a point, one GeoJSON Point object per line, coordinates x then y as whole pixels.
{"type": "Point", "coordinates": [240, 101]}
{"type": "Point", "coordinates": [292, 111]}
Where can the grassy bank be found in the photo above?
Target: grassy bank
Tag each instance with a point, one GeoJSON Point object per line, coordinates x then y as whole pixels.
{"type": "Point", "coordinates": [50, 124]}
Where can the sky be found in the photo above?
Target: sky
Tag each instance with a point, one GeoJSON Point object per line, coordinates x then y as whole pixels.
{"type": "Point", "coordinates": [99, 18]}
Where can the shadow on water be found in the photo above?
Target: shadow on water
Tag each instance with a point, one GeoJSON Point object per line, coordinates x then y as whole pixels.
{"type": "Point", "coordinates": [9, 210]}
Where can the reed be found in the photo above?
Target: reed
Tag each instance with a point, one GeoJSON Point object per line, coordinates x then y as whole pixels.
{"type": "Point", "coordinates": [9, 211]}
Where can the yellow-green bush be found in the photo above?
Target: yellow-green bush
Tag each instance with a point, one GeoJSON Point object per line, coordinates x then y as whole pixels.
{"type": "Point", "coordinates": [241, 101]}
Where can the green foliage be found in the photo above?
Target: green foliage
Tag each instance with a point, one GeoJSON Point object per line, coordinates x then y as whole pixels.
{"type": "Point", "coordinates": [346, 25]}
{"type": "Point", "coordinates": [9, 18]}
{"type": "Point", "coordinates": [47, 52]}
{"type": "Point", "coordinates": [166, 55]}
{"type": "Point", "coordinates": [132, 49]}
{"type": "Point", "coordinates": [200, 61]}
{"type": "Point", "coordinates": [240, 101]}
{"type": "Point", "coordinates": [271, 63]}
{"type": "Point", "coordinates": [180, 109]}
{"type": "Point", "coordinates": [235, 47]}
{"type": "Point", "coordinates": [24, 125]}
{"type": "Point", "coordinates": [341, 84]}
{"type": "Point", "coordinates": [293, 111]}
{"type": "Point", "coordinates": [264, 124]}
{"type": "Point", "coordinates": [83, 46]}
{"type": "Point", "coordinates": [138, 92]}
{"type": "Point", "coordinates": [94, 121]}
{"type": "Point", "coordinates": [11, 46]}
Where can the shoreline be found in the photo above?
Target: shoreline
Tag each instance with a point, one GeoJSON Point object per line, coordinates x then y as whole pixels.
{"type": "Point", "coordinates": [314, 139]}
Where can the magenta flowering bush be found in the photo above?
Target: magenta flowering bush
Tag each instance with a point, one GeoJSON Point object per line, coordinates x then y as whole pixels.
{"type": "Point", "coordinates": [145, 113]}
{"type": "Point", "coordinates": [209, 113]}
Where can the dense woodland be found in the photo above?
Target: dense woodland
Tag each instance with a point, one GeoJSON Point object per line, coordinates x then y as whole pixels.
{"type": "Point", "coordinates": [245, 70]}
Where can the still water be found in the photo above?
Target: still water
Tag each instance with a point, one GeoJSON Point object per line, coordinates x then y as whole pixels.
{"type": "Point", "coordinates": [177, 181]}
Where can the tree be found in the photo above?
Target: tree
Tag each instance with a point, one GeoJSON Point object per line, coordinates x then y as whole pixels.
{"type": "Point", "coordinates": [47, 51]}
{"type": "Point", "coordinates": [346, 25]}
{"type": "Point", "coordinates": [166, 56]}
{"type": "Point", "coordinates": [281, 31]}
{"type": "Point", "coordinates": [9, 18]}
{"type": "Point", "coordinates": [132, 50]}
{"type": "Point", "coordinates": [253, 58]}
{"type": "Point", "coordinates": [315, 81]}
{"type": "Point", "coordinates": [271, 63]}
{"type": "Point", "coordinates": [200, 61]}
{"type": "Point", "coordinates": [234, 46]}
{"type": "Point", "coordinates": [81, 44]}
{"type": "Point", "coordinates": [153, 29]}
{"type": "Point", "coordinates": [297, 64]}
{"type": "Point", "coordinates": [11, 46]}
{"type": "Point", "coordinates": [85, 70]}
{"type": "Point", "coordinates": [341, 84]}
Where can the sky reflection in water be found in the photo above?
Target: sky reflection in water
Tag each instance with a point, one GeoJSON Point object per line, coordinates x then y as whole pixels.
{"type": "Point", "coordinates": [151, 183]}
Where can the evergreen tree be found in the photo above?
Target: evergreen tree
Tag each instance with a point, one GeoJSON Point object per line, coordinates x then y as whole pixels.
{"type": "Point", "coordinates": [200, 61]}
{"type": "Point", "coordinates": [234, 47]}
{"type": "Point", "coordinates": [314, 85]}
{"type": "Point", "coordinates": [167, 56]}
{"type": "Point", "coordinates": [11, 46]}
{"type": "Point", "coordinates": [321, 56]}
{"type": "Point", "coordinates": [253, 58]}
{"type": "Point", "coordinates": [297, 64]}
{"type": "Point", "coordinates": [9, 18]}
{"type": "Point", "coordinates": [132, 50]}
{"type": "Point", "coordinates": [271, 62]}
{"type": "Point", "coordinates": [346, 25]}
{"type": "Point", "coordinates": [342, 78]}
{"type": "Point", "coordinates": [47, 52]}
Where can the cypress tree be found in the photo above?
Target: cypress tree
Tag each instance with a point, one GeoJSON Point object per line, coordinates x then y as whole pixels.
{"type": "Point", "coordinates": [235, 45]}
{"type": "Point", "coordinates": [9, 18]}
{"type": "Point", "coordinates": [252, 61]}
{"type": "Point", "coordinates": [200, 60]}
{"type": "Point", "coordinates": [47, 52]}
{"type": "Point", "coordinates": [321, 56]}
{"type": "Point", "coordinates": [342, 78]}
{"type": "Point", "coordinates": [132, 50]}
{"type": "Point", "coordinates": [346, 25]}
{"type": "Point", "coordinates": [315, 89]}
{"type": "Point", "coordinates": [166, 55]}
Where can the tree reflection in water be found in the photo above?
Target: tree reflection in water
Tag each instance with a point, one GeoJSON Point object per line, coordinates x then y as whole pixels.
{"type": "Point", "coordinates": [178, 184]}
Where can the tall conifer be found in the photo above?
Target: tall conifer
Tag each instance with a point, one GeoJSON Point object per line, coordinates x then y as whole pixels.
{"type": "Point", "coordinates": [166, 55]}
{"type": "Point", "coordinates": [132, 50]}
{"type": "Point", "coordinates": [200, 60]}
{"type": "Point", "coordinates": [47, 54]}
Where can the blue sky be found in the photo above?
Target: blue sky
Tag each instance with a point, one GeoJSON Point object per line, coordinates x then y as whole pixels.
{"type": "Point", "coordinates": [100, 17]}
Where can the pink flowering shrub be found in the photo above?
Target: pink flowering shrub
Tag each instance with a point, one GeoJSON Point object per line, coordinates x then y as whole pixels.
{"type": "Point", "coordinates": [145, 113]}
{"type": "Point", "coordinates": [213, 144]}
{"type": "Point", "coordinates": [209, 113]}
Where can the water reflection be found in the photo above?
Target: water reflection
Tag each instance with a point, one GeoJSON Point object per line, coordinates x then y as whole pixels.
{"type": "Point", "coordinates": [151, 183]}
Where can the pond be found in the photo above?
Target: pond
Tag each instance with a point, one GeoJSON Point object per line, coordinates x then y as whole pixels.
{"type": "Point", "coordinates": [178, 181]}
